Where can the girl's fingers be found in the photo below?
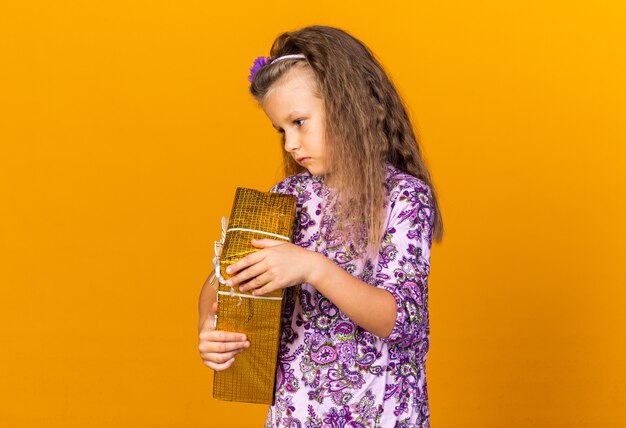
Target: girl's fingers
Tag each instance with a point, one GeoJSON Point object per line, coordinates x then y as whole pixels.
{"type": "Point", "coordinates": [219, 367]}
{"type": "Point", "coordinates": [221, 336]}
{"type": "Point", "coordinates": [249, 260]}
{"type": "Point", "coordinates": [264, 243]}
{"type": "Point", "coordinates": [219, 358]}
{"type": "Point", "coordinates": [257, 282]}
{"type": "Point", "coordinates": [221, 347]}
{"type": "Point", "coordinates": [246, 274]}
{"type": "Point", "coordinates": [267, 288]}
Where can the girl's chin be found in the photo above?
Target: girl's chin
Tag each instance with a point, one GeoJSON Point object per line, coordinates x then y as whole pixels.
{"type": "Point", "coordinates": [316, 172]}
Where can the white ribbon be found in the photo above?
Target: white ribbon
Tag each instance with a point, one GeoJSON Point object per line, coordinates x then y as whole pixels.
{"type": "Point", "coordinates": [262, 232]}
{"type": "Point", "coordinates": [232, 293]}
{"type": "Point", "coordinates": [217, 249]}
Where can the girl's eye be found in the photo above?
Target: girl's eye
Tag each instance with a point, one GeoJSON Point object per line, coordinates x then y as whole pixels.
{"type": "Point", "coordinates": [299, 122]}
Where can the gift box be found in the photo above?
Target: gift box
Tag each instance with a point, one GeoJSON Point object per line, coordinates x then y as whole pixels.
{"type": "Point", "coordinates": [255, 215]}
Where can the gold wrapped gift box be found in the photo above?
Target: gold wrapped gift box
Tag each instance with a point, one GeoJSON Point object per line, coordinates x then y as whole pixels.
{"type": "Point", "coordinates": [255, 215]}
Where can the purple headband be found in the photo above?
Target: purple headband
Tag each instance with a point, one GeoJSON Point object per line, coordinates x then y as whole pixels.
{"type": "Point", "coordinates": [262, 61]}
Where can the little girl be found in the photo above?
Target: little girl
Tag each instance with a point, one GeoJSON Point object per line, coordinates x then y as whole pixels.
{"type": "Point", "coordinates": [355, 322]}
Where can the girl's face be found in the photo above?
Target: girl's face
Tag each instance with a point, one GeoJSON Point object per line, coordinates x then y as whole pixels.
{"type": "Point", "coordinates": [296, 111]}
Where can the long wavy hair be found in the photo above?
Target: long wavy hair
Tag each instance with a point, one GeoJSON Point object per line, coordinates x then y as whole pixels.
{"type": "Point", "coordinates": [370, 124]}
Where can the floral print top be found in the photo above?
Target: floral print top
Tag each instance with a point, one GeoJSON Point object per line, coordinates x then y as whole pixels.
{"type": "Point", "coordinates": [331, 372]}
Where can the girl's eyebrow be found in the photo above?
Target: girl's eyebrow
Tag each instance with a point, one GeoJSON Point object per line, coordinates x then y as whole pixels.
{"type": "Point", "coordinates": [289, 117]}
{"type": "Point", "coordinates": [293, 115]}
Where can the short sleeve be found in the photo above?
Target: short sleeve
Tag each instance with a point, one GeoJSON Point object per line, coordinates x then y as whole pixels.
{"type": "Point", "coordinates": [300, 186]}
{"type": "Point", "coordinates": [292, 185]}
{"type": "Point", "coordinates": [404, 260]}
{"type": "Point", "coordinates": [282, 187]}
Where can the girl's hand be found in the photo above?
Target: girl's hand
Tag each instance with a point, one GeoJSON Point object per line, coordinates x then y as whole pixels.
{"type": "Point", "coordinates": [218, 348]}
{"type": "Point", "coordinates": [278, 265]}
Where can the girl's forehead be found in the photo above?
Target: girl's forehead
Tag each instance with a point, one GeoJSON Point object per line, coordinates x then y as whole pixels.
{"type": "Point", "coordinates": [290, 95]}
{"type": "Point", "coordinates": [296, 77]}
{"type": "Point", "coordinates": [297, 89]}
{"type": "Point", "coordinates": [294, 93]}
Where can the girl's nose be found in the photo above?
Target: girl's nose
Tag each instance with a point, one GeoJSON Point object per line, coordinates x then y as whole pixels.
{"type": "Point", "coordinates": [291, 142]}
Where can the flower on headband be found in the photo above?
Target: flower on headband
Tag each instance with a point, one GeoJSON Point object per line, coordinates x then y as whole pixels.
{"type": "Point", "coordinates": [259, 63]}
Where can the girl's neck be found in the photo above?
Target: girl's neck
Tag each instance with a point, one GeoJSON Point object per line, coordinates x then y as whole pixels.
{"type": "Point", "coordinates": [327, 180]}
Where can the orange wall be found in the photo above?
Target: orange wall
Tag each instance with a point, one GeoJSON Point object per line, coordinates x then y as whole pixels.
{"type": "Point", "coordinates": [125, 127]}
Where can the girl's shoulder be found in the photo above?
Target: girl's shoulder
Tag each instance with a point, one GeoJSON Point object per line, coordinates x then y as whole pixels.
{"type": "Point", "coordinates": [296, 184]}
{"type": "Point", "coordinates": [409, 197]}
{"type": "Point", "coordinates": [398, 182]}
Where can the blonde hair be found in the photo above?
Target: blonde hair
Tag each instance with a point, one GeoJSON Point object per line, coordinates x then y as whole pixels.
{"type": "Point", "coordinates": [370, 125]}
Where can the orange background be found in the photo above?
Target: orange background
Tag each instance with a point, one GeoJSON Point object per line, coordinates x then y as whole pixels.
{"type": "Point", "coordinates": [125, 127]}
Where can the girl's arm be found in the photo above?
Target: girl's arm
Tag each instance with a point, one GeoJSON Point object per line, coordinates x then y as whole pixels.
{"type": "Point", "coordinates": [282, 265]}
{"type": "Point", "coordinates": [394, 306]}
{"type": "Point", "coordinates": [372, 308]}
{"type": "Point", "coordinates": [206, 300]}
{"type": "Point", "coordinates": [217, 348]}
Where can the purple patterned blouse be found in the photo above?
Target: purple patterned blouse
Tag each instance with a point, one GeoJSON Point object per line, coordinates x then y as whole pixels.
{"type": "Point", "coordinates": [331, 372]}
